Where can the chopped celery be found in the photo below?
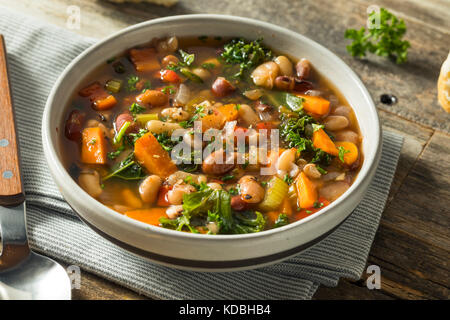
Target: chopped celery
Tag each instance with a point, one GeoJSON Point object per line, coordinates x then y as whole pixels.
{"type": "Point", "coordinates": [146, 117]}
{"type": "Point", "coordinates": [113, 85]}
{"type": "Point", "coordinates": [119, 135]}
{"type": "Point", "coordinates": [276, 191]}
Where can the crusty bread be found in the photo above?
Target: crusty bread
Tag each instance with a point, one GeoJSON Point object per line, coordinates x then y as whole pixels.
{"type": "Point", "coordinates": [167, 3]}
{"type": "Point", "coordinates": [444, 85]}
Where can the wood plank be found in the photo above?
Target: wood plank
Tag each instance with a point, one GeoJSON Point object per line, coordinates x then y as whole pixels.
{"type": "Point", "coordinates": [350, 290]}
{"type": "Point", "coordinates": [421, 207]}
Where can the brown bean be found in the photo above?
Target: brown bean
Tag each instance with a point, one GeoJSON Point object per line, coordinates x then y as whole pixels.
{"type": "Point", "coordinates": [153, 98]}
{"type": "Point", "coordinates": [222, 87]}
{"type": "Point", "coordinates": [216, 162]}
{"type": "Point", "coordinates": [301, 85]}
{"type": "Point", "coordinates": [303, 69]}
{"type": "Point", "coordinates": [285, 83]}
{"type": "Point", "coordinates": [238, 204]}
{"type": "Point", "coordinates": [347, 135]}
{"type": "Point", "coordinates": [74, 125]}
{"type": "Point", "coordinates": [334, 123]}
{"type": "Point", "coordinates": [168, 60]}
{"type": "Point", "coordinates": [122, 118]}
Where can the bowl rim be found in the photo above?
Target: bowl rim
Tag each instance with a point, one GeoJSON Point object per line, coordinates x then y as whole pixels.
{"type": "Point", "coordinates": [370, 160]}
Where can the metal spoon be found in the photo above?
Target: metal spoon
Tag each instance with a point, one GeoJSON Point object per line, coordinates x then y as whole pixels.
{"type": "Point", "coordinates": [24, 275]}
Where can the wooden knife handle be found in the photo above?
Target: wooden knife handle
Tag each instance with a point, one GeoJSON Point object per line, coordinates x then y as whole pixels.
{"type": "Point", "coordinates": [11, 188]}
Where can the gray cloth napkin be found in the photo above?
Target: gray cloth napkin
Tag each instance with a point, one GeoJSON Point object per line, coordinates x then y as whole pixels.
{"type": "Point", "coordinates": [37, 54]}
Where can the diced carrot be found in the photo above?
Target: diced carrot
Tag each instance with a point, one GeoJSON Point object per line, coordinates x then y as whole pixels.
{"type": "Point", "coordinates": [229, 111]}
{"type": "Point", "coordinates": [272, 216]}
{"type": "Point", "coordinates": [286, 207]}
{"type": "Point", "coordinates": [131, 199]}
{"type": "Point", "coordinates": [303, 213]}
{"type": "Point", "coordinates": [322, 141]}
{"type": "Point", "coordinates": [105, 103]}
{"type": "Point", "coordinates": [153, 157]}
{"type": "Point", "coordinates": [145, 60]}
{"type": "Point", "coordinates": [163, 201]}
{"type": "Point", "coordinates": [169, 76]}
{"type": "Point", "coordinates": [93, 146]}
{"type": "Point", "coordinates": [264, 125]}
{"type": "Point", "coordinates": [149, 216]}
{"type": "Point", "coordinates": [214, 120]}
{"type": "Point", "coordinates": [100, 98]}
{"type": "Point", "coordinates": [306, 190]}
{"type": "Point", "coordinates": [351, 154]}
{"type": "Point", "coordinates": [315, 104]}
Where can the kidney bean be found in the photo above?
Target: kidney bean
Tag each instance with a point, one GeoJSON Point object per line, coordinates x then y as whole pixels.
{"type": "Point", "coordinates": [238, 204]}
{"type": "Point", "coordinates": [74, 125]}
{"type": "Point", "coordinates": [302, 85]}
{"type": "Point", "coordinates": [222, 87]}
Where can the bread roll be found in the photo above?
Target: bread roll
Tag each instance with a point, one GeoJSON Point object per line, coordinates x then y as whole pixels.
{"type": "Point", "coordinates": [444, 85]}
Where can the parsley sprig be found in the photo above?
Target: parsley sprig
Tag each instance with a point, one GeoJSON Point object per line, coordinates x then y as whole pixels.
{"type": "Point", "coordinates": [384, 40]}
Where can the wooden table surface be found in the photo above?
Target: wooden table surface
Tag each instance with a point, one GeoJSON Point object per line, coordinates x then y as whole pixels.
{"type": "Point", "coordinates": [412, 243]}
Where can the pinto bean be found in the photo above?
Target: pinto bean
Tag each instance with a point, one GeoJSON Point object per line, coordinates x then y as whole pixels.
{"type": "Point", "coordinates": [333, 190]}
{"type": "Point", "coordinates": [286, 67]}
{"type": "Point", "coordinates": [90, 182]}
{"type": "Point", "coordinates": [168, 60]}
{"type": "Point", "coordinates": [302, 85]}
{"type": "Point", "coordinates": [74, 125]}
{"type": "Point", "coordinates": [251, 191]}
{"type": "Point", "coordinates": [334, 123]}
{"type": "Point", "coordinates": [285, 83]}
{"type": "Point", "coordinates": [303, 69]}
{"type": "Point", "coordinates": [218, 162]}
{"type": "Point", "coordinates": [222, 87]}
{"type": "Point", "coordinates": [238, 204]}
{"type": "Point", "coordinates": [175, 196]}
{"type": "Point", "coordinates": [148, 189]}
{"type": "Point", "coordinates": [153, 98]}
{"type": "Point", "coordinates": [341, 111]}
{"type": "Point", "coordinates": [347, 135]}
{"type": "Point", "coordinates": [265, 74]}
{"type": "Point", "coordinates": [122, 118]}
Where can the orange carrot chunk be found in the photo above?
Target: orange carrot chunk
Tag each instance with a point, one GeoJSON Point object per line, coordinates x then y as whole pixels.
{"type": "Point", "coordinates": [145, 60]}
{"type": "Point", "coordinates": [100, 98]}
{"type": "Point", "coordinates": [322, 141]}
{"type": "Point", "coordinates": [286, 207]}
{"type": "Point", "coordinates": [153, 157]}
{"type": "Point", "coordinates": [149, 216]}
{"type": "Point", "coordinates": [93, 146]}
{"type": "Point", "coordinates": [131, 199]}
{"type": "Point", "coordinates": [315, 104]}
{"type": "Point", "coordinates": [306, 190]}
{"type": "Point", "coordinates": [215, 120]}
{"type": "Point", "coordinates": [229, 111]}
{"type": "Point", "coordinates": [351, 151]}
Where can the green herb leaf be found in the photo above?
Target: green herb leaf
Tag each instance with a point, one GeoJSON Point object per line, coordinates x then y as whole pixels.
{"type": "Point", "coordinates": [384, 40]}
{"type": "Point", "coordinates": [281, 221]}
{"type": "Point", "coordinates": [136, 108]}
{"type": "Point", "coordinates": [188, 59]}
{"type": "Point", "coordinates": [342, 152]}
{"type": "Point", "coordinates": [131, 83]}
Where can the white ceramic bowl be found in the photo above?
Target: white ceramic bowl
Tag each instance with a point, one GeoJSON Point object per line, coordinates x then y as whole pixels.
{"type": "Point", "coordinates": [211, 252]}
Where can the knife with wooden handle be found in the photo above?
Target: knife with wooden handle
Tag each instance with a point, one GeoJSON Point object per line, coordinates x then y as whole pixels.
{"type": "Point", "coordinates": [11, 188]}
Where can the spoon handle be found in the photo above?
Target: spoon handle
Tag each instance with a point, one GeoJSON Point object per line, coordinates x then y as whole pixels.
{"type": "Point", "coordinates": [11, 188]}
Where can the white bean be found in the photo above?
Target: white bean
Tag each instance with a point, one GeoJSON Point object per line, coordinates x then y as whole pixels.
{"type": "Point", "coordinates": [149, 188]}
{"type": "Point", "coordinates": [264, 75]}
{"type": "Point", "coordinates": [214, 186]}
{"type": "Point", "coordinates": [157, 126]}
{"type": "Point", "coordinates": [286, 67]}
{"type": "Point", "coordinates": [311, 171]}
{"type": "Point", "coordinates": [175, 196]}
{"type": "Point", "coordinates": [176, 114]}
{"type": "Point", "coordinates": [342, 111]}
{"type": "Point", "coordinates": [286, 160]}
{"type": "Point", "coordinates": [90, 182]}
{"type": "Point", "coordinates": [181, 175]}
{"type": "Point", "coordinates": [174, 211]}
{"type": "Point", "coordinates": [202, 73]}
{"type": "Point", "coordinates": [248, 115]}
{"type": "Point", "coordinates": [251, 191]}
{"type": "Point", "coordinates": [334, 123]}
